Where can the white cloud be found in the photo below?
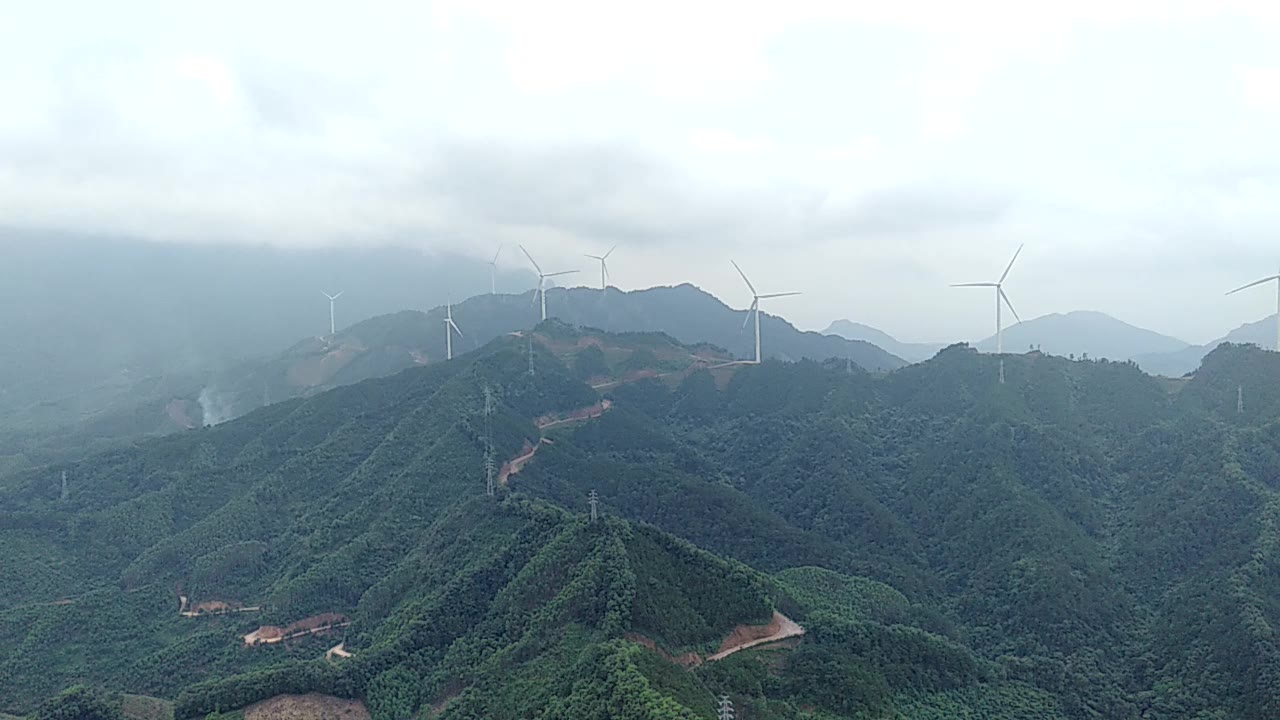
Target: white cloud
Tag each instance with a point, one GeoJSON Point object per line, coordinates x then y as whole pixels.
{"type": "Point", "coordinates": [908, 139]}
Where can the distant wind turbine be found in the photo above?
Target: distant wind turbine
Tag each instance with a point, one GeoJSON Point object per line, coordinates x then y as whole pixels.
{"type": "Point", "coordinates": [493, 272]}
{"type": "Point", "coordinates": [542, 277]}
{"type": "Point", "coordinates": [450, 327]}
{"type": "Point", "coordinates": [604, 268]}
{"type": "Point", "coordinates": [755, 306]}
{"type": "Point", "coordinates": [1259, 282]}
{"type": "Point", "coordinates": [333, 327]}
{"type": "Point", "coordinates": [1001, 299]}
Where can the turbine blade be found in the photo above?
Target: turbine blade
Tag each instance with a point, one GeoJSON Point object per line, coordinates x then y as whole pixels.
{"type": "Point", "coordinates": [535, 262]}
{"type": "Point", "coordinates": [606, 255]}
{"type": "Point", "coordinates": [593, 257]}
{"type": "Point", "coordinates": [1006, 302]}
{"type": "Point", "coordinates": [1010, 267]}
{"type": "Point", "coordinates": [454, 325]}
{"type": "Point", "coordinates": [1256, 282]}
{"type": "Point", "coordinates": [973, 284]}
{"type": "Point", "coordinates": [605, 266]}
{"type": "Point", "coordinates": [562, 272]}
{"type": "Point", "coordinates": [494, 261]}
{"type": "Point", "coordinates": [755, 307]}
{"type": "Point", "coordinates": [744, 278]}
{"type": "Point", "coordinates": [534, 299]}
{"type": "Point", "coordinates": [774, 295]}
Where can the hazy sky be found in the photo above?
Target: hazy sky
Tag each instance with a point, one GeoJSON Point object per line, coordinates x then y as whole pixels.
{"type": "Point", "coordinates": [867, 153]}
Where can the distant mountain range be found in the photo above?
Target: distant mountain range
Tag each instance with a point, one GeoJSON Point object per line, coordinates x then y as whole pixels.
{"type": "Point", "coordinates": [911, 352]}
{"type": "Point", "coordinates": [387, 344]}
{"type": "Point", "coordinates": [1180, 362]}
{"type": "Point", "coordinates": [1083, 333]}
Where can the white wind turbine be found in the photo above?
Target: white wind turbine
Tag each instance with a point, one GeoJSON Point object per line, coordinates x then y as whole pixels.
{"type": "Point", "coordinates": [450, 327]}
{"type": "Point", "coordinates": [755, 306]}
{"type": "Point", "coordinates": [333, 328]}
{"type": "Point", "coordinates": [1259, 282]}
{"type": "Point", "coordinates": [542, 277]}
{"type": "Point", "coordinates": [1001, 299]}
{"type": "Point", "coordinates": [493, 272]}
{"type": "Point", "coordinates": [604, 269]}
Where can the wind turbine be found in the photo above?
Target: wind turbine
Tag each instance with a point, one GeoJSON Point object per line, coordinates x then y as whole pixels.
{"type": "Point", "coordinates": [604, 269]}
{"type": "Point", "coordinates": [493, 272]}
{"type": "Point", "coordinates": [755, 306]}
{"type": "Point", "coordinates": [542, 277]}
{"type": "Point", "coordinates": [1259, 282]}
{"type": "Point", "coordinates": [1000, 296]}
{"type": "Point", "coordinates": [333, 328]}
{"type": "Point", "coordinates": [450, 327]}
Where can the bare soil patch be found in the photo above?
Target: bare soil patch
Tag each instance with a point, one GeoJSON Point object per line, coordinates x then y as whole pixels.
{"type": "Point", "coordinates": [742, 637]}
{"type": "Point", "coordinates": [306, 707]}
{"type": "Point", "coordinates": [314, 625]}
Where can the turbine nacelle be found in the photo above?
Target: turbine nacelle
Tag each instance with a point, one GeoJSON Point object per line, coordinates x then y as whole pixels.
{"type": "Point", "coordinates": [754, 310]}
{"type": "Point", "coordinates": [1002, 300]}
{"type": "Point", "coordinates": [450, 327]}
{"type": "Point", "coordinates": [604, 267]}
{"type": "Point", "coordinates": [541, 291]}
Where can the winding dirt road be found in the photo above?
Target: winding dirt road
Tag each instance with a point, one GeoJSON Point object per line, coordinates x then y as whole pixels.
{"type": "Point", "coordinates": [749, 636]}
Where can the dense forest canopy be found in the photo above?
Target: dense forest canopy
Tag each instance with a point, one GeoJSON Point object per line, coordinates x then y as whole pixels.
{"type": "Point", "coordinates": [1082, 541]}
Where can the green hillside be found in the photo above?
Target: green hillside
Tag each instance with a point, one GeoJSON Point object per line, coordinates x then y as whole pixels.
{"type": "Point", "coordinates": [1076, 543]}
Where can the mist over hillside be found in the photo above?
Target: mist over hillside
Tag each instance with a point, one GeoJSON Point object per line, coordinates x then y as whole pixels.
{"type": "Point", "coordinates": [93, 321]}
{"type": "Point", "coordinates": [387, 344]}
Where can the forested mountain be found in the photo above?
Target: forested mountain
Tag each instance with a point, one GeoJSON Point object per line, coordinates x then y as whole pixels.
{"type": "Point", "coordinates": [1083, 333]}
{"type": "Point", "coordinates": [1083, 541]}
{"type": "Point", "coordinates": [911, 352]}
{"type": "Point", "coordinates": [387, 344]}
{"type": "Point", "coordinates": [97, 324]}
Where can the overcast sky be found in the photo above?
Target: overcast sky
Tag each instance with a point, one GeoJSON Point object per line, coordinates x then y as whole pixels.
{"type": "Point", "coordinates": [867, 153]}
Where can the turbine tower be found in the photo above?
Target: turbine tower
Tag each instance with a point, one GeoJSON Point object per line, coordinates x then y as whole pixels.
{"type": "Point", "coordinates": [450, 327]}
{"type": "Point", "coordinates": [493, 272]}
{"type": "Point", "coordinates": [542, 277]}
{"type": "Point", "coordinates": [1259, 282]}
{"type": "Point", "coordinates": [755, 306]}
{"type": "Point", "coordinates": [1001, 299]}
{"type": "Point", "coordinates": [333, 328]}
{"type": "Point", "coordinates": [604, 269]}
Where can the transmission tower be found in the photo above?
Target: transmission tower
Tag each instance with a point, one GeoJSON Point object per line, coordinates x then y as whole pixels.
{"type": "Point", "coordinates": [530, 355]}
{"type": "Point", "coordinates": [725, 710]}
{"type": "Point", "coordinates": [1240, 398]}
{"type": "Point", "coordinates": [66, 492]}
{"type": "Point", "coordinates": [488, 441]}
{"type": "Point", "coordinates": [594, 499]}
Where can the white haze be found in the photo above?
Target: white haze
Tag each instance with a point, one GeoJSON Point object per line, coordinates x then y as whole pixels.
{"type": "Point", "coordinates": [866, 153]}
